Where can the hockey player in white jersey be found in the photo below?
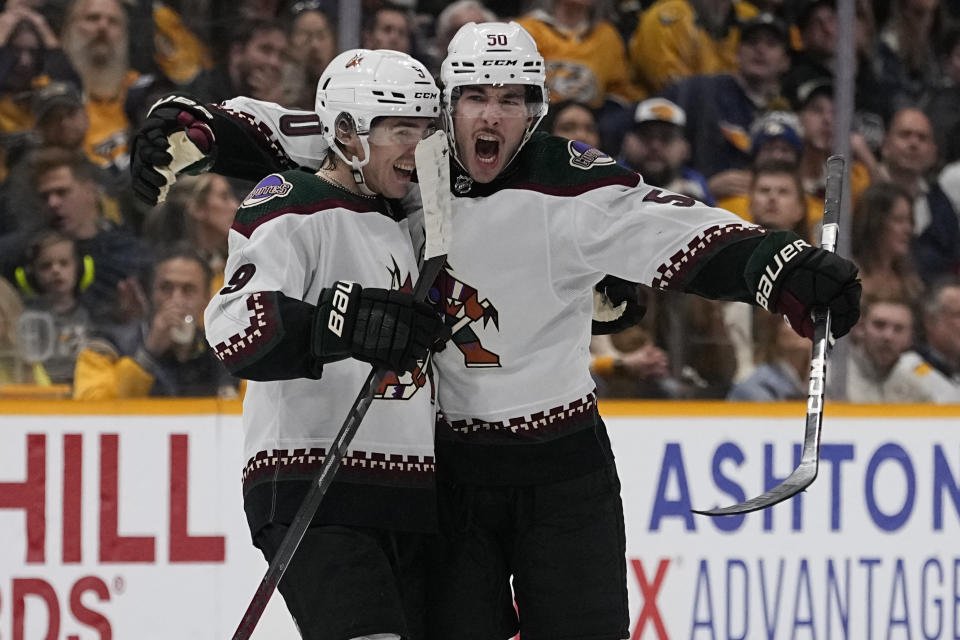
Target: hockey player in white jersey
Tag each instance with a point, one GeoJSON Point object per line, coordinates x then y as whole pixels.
{"type": "Point", "coordinates": [527, 482]}
{"type": "Point", "coordinates": [320, 271]}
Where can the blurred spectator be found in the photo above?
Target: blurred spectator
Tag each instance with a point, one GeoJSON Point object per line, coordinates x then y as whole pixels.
{"type": "Point", "coordinates": [253, 67]}
{"type": "Point", "coordinates": [677, 39]}
{"type": "Point", "coordinates": [13, 369]}
{"type": "Point", "coordinates": [95, 38]}
{"type": "Point", "coordinates": [942, 101]}
{"type": "Point", "coordinates": [877, 371]}
{"type": "Point", "coordinates": [907, 54]}
{"type": "Point", "coordinates": [199, 211]}
{"type": "Point", "coordinates": [179, 54]}
{"type": "Point", "coordinates": [776, 201]}
{"type": "Point", "coordinates": [629, 365]}
{"type": "Point", "coordinates": [814, 105]}
{"type": "Point", "coordinates": [166, 354]}
{"type": "Point", "coordinates": [30, 57]}
{"type": "Point", "coordinates": [783, 363]}
{"type": "Point", "coordinates": [881, 240]}
{"type": "Point", "coordinates": [65, 184]}
{"type": "Point", "coordinates": [387, 27]}
{"type": "Point", "coordinates": [721, 108]}
{"type": "Point", "coordinates": [909, 152]}
{"type": "Point", "coordinates": [61, 123]}
{"type": "Point", "coordinates": [313, 44]}
{"type": "Point", "coordinates": [940, 349]}
{"type": "Point", "coordinates": [586, 59]}
{"type": "Point", "coordinates": [455, 15]}
{"type": "Point", "coordinates": [816, 23]}
{"type": "Point", "coordinates": [572, 120]}
{"type": "Point", "coordinates": [656, 149]}
{"type": "Point", "coordinates": [52, 279]}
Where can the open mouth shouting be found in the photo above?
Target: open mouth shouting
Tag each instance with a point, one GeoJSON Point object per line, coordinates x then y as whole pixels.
{"type": "Point", "coordinates": [403, 170]}
{"type": "Point", "coordinates": [486, 147]}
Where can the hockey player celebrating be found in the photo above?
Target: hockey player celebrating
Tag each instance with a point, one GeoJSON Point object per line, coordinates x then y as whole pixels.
{"type": "Point", "coordinates": [294, 319]}
{"type": "Point", "coordinates": [527, 484]}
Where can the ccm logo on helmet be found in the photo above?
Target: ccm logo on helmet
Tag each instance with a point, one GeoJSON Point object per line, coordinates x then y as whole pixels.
{"type": "Point", "coordinates": [773, 270]}
{"type": "Point", "coordinates": [424, 94]}
{"type": "Point", "coordinates": [499, 63]}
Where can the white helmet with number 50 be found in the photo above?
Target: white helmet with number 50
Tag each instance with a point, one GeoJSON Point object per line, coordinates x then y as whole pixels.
{"type": "Point", "coordinates": [494, 53]}
{"type": "Point", "coordinates": [361, 85]}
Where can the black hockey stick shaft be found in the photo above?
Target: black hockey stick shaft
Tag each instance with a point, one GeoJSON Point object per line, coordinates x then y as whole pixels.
{"type": "Point", "coordinates": [806, 472]}
{"type": "Point", "coordinates": [324, 477]}
{"type": "Point", "coordinates": [432, 159]}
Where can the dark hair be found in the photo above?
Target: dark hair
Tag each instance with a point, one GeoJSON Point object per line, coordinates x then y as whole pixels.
{"type": "Point", "coordinates": [870, 217]}
{"type": "Point", "coordinates": [556, 109]}
{"type": "Point", "coordinates": [370, 17]}
{"type": "Point", "coordinates": [50, 158]}
{"type": "Point", "coordinates": [44, 239]}
{"type": "Point", "coordinates": [244, 31]}
{"type": "Point", "coordinates": [182, 251]}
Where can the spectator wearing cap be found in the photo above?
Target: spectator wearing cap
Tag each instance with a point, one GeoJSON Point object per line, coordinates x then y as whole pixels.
{"type": "Point", "coordinates": [253, 66]}
{"type": "Point", "coordinates": [677, 39]}
{"type": "Point", "coordinates": [814, 105]}
{"type": "Point", "coordinates": [776, 139]}
{"type": "Point", "coordinates": [61, 123]}
{"type": "Point", "coordinates": [909, 153]}
{"type": "Point", "coordinates": [816, 23]}
{"type": "Point", "coordinates": [720, 108]}
{"type": "Point", "coordinates": [656, 149]}
{"type": "Point", "coordinates": [586, 59]}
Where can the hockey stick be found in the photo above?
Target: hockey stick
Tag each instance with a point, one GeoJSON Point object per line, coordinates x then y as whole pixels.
{"type": "Point", "coordinates": [433, 170]}
{"type": "Point", "coordinates": [806, 472]}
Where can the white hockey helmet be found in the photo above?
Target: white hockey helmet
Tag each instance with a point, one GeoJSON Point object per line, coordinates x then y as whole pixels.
{"type": "Point", "coordinates": [494, 53]}
{"type": "Point", "coordinates": [360, 85]}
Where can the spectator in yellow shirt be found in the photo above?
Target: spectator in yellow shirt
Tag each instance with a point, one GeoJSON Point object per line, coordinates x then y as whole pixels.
{"type": "Point", "coordinates": [677, 39]}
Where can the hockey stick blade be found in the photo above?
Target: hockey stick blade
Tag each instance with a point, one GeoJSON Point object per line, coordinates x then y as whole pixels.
{"type": "Point", "coordinates": [435, 163]}
{"type": "Point", "coordinates": [806, 472]}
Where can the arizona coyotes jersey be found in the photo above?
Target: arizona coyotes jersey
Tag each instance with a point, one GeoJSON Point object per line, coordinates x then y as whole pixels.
{"type": "Point", "coordinates": [294, 235]}
{"type": "Point", "coordinates": [516, 400]}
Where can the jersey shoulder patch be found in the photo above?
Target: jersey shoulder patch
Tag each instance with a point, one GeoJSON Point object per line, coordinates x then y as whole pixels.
{"type": "Point", "coordinates": [296, 192]}
{"type": "Point", "coordinates": [558, 166]}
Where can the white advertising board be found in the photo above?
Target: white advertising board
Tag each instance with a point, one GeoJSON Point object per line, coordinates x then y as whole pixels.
{"type": "Point", "coordinates": [130, 526]}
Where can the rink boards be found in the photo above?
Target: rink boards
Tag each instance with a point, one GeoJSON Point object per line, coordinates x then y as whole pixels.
{"type": "Point", "coordinates": [124, 520]}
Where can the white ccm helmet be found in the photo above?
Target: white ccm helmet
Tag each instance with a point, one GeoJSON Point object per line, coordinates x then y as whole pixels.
{"type": "Point", "coordinates": [494, 53]}
{"type": "Point", "coordinates": [360, 85]}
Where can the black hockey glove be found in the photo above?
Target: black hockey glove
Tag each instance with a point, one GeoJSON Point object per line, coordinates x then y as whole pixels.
{"type": "Point", "coordinates": [176, 137]}
{"type": "Point", "coordinates": [792, 278]}
{"type": "Point", "coordinates": [382, 327]}
{"type": "Point", "coordinates": [617, 305]}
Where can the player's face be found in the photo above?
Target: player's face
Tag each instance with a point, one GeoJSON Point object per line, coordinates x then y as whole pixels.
{"type": "Point", "coordinates": [489, 124]}
{"type": "Point", "coordinates": [56, 268]}
{"type": "Point", "coordinates": [392, 145]}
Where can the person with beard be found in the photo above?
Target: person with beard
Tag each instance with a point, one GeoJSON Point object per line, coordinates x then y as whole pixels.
{"type": "Point", "coordinates": [95, 38]}
{"type": "Point", "coordinates": [656, 149]}
{"type": "Point", "coordinates": [254, 66]}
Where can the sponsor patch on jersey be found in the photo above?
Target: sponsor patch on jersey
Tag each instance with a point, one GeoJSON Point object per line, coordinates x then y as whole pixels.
{"type": "Point", "coordinates": [273, 186]}
{"type": "Point", "coordinates": [583, 156]}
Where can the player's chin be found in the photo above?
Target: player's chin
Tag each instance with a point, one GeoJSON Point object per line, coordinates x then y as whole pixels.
{"type": "Point", "coordinates": [484, 169]}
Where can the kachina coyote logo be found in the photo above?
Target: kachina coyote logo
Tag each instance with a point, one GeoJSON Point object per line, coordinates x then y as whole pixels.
{"type": "Point", "coordinates": [354, 61]}
{"type": "Point", "coordinates": [463, 307]}
{"type": "Point", "coordinates": [403, 385]}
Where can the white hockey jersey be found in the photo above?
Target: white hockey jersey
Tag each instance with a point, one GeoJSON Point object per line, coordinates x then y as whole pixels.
{"type": "Point", "coordinates": [515, 395]}
{"type": "Point", "coordinates": [294, 235]}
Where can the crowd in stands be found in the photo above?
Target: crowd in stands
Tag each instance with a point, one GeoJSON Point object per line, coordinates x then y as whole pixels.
{"type": "Point", "coordinates": [726, 101]}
